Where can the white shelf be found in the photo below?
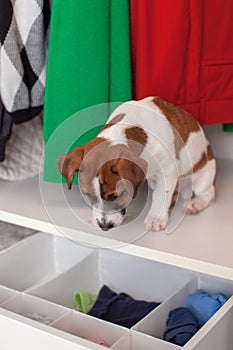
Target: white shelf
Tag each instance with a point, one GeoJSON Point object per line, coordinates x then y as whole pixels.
{"type": "Point", "coordinates": [202, 243]}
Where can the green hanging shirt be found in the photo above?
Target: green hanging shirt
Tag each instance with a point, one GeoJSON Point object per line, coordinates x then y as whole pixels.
{"type": "Point", "coordinates": [88, 64]}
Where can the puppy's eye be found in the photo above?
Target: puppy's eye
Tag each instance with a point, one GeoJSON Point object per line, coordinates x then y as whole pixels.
{"type": "Point", "coordinates": [116, 196]}
{"type": "Point", "coordinates": [113, 197]}
{"type": "Point", "coordinates": [113, 170]}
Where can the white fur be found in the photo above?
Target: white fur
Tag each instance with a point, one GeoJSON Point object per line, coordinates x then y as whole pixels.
{"type": "Point", "coordinates": [116, 135]}
{"type": "Point", "coordinates": [164, 168]}
{"type": "Point", "coordinates": [100, 211]}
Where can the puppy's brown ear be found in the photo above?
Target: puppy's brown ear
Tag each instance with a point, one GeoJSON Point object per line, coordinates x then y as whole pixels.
{"type": "Point", "coordinates": [133, 170]}
{"type": "Point", "coordinates": [69, 163]}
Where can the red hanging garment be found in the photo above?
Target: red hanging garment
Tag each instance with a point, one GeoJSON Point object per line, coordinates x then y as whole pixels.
{"type": "Point", "coordinates": [182, 51]}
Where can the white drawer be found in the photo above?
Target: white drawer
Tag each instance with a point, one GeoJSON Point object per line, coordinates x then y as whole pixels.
{"type": "Point", "coordinates": [40, 275]}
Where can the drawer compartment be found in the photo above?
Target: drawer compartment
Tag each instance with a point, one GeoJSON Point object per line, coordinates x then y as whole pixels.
{"type": "Point", "coordinates": [155, 323]}
{"type": "Point", "coordinates": [38, 279]}
{"type": "Point", "coordinates": [37, 258]}
{"type": "Point", "coordinates": [6, 293]}
{"type": "Point", "coordinates": [87, 327]}
{"type": "Point", "coordinates": [34, 308]}
{"type": "Point", "coordinates": [140, 278]}
{"type": "Point", "coordinates": [139, 341]}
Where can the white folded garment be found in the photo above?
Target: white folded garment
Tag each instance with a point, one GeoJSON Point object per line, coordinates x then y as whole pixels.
{"type": "Point", "coordinates": [24, 151]}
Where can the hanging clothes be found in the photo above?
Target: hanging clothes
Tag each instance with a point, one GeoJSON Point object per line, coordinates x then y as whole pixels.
{"type": "Point", "coordinates": [88, 64]}
{"type": "Point", "coordinates": [24, 151]}
{"type": "Point", "coordinates": [228, 127]}
{"type": "Point", "coordinates": [23, 27]}
{"type": "Point", "coordinates": [5, 129]}
{"type": "Point", "coordinates": [182, 51]}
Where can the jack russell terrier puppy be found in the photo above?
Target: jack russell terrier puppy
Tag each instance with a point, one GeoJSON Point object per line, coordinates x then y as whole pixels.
{"type": "Point", "coordinates": [147, 139]}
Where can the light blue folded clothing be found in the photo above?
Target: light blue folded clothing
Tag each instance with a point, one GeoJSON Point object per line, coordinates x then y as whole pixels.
{"type": "Point", "coordinates": [203, 306]}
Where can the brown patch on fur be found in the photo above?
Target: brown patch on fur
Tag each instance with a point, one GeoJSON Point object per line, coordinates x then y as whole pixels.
{"type": "Point", "coordinates": [93, 143]}
{"type": "Point", "coordinates": [210, 153]}
{"type": "Point", "coordinates": [114, 121]}
{"type": "Point", "coordinates": [118, 118]}
{"type": "Point", "coordinates": [182, 121]}
{"type": "Point", "coordinates": [124, 165]}
{"type": "Point", "coordinates": [69, 163]}
{"type": "Point", "coordinates": [208, 156]}
{"type": "Point", "coordinates": [138, 135]}
{"type": "Point", "coordinates": [72, 162]}
{"type": "Point", "coordinates": [201, 163]}
{"type": "Point", "coordinates": [211, 156]}
{"type": "Point", "coordinates": [110, 184]}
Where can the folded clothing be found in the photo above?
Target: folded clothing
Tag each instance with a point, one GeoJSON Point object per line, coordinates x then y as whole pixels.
{"type": "Point", "coordinates": [38, 317]}
{"type": "Point", "coordinates": [24, 152]}
{"type": "Point", "coordinates": [120, 308]}
{"type": "Point", "coordinates": [181, 326]}
{"type": "Point", "coordinates": [98, 341]}
{"type": "Point", "coordinates": [84, 301]}
{"type": "Point", "coordinates": [203, 306]}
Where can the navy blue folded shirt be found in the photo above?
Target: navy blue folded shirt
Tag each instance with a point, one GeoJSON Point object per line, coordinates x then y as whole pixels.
{"type": "Point", "coordinates": [120, 308]}
{"type": "Point", "coordinates": [181, 326]}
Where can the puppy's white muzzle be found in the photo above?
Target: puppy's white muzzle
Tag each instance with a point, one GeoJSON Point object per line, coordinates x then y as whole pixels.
{"type": "Point", "coordinates": [108, 220]}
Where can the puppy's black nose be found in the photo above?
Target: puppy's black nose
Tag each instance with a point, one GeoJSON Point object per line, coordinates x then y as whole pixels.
{"type": "Point", "coordinates": [105, 226]}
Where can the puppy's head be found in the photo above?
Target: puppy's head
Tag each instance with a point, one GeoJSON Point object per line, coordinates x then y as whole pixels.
{"type": "Point", "coordinates": [109, 178]}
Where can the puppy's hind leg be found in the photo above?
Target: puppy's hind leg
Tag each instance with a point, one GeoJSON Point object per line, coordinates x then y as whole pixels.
{"type": "Point", "coordinates": [203, 188]}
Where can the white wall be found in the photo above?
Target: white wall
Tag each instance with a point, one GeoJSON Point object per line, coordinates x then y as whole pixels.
{"type": "Point", "coordinates": [221, 142]}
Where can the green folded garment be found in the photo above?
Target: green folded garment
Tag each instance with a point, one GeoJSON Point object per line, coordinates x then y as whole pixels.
{"type": "Point", "coordinates": [88, 64]}
{"type": "Point", "coordinates": [84, 301]}
{"type": "Point", "coordinates": [228, 127]}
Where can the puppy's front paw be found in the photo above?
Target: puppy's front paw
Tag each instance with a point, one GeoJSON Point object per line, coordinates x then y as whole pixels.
{"type": "Point", "coordinates": [154, 223]}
